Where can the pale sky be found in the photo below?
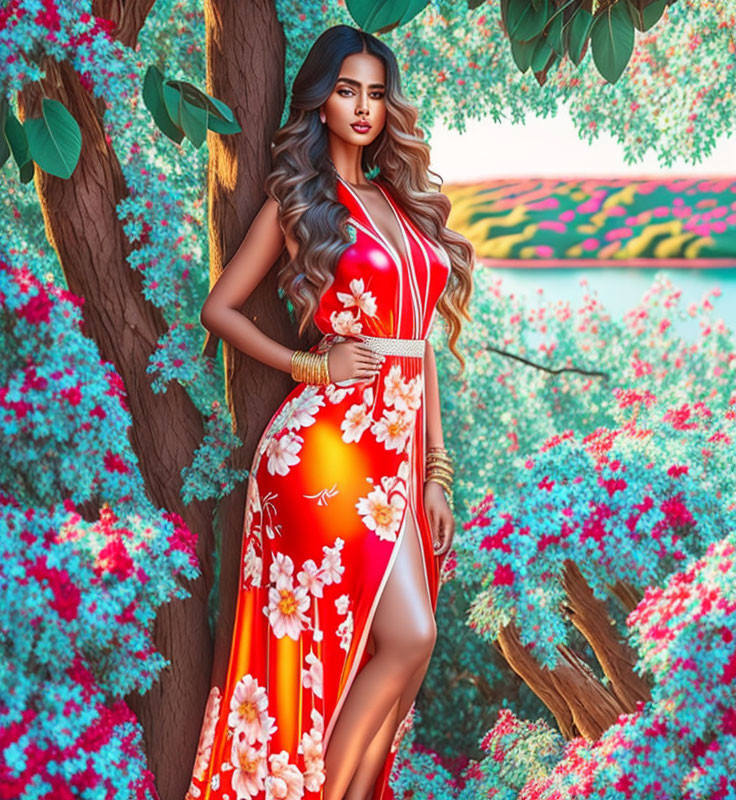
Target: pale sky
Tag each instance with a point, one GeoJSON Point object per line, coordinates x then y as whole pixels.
{"type": "Point", "coordinates": [550, 147]}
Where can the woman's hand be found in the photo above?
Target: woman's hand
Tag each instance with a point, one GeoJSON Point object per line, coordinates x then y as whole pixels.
{"type": "Point", "coordinates": [440, 517]}
{"type": "Point", "coordinates": [353, 360]}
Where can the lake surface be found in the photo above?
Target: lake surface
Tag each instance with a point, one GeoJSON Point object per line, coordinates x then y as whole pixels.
{"type": "Point", "coordinates": [620, 289]}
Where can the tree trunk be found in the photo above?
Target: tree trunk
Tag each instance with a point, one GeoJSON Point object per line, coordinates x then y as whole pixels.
{"type": "Point", "coordinates": [245, 69]}
{"type": "Point", "coordinates": [581, 705]}
{"type": "Point", "coordinates": [82, 226]}
{"type": "Point", "coordinates": [590, 616]}
{"type": "Point", "coordinates": [627, 595]}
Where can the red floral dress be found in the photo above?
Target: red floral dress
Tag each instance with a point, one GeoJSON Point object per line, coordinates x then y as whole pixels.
{"type": "Point", "coordinates": [334, 474]}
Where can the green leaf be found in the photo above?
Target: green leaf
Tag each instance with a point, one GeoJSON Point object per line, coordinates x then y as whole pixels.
{"type": "Point", "coordinates": [525, 21]}
{"type": "Point", "coordinates": [4, 146]}
{"type": "Point", "coordinates": [612, 41]}
{"type": "Point", "coordinates": [222, 126]}
{"type": "Point", "coordinates": [473, 4]}
{"type": "Point", "coordinates": [54, 139]}
{"type": "Point", "coordinates": [18, 142]}
{"type": "Point", "coordinates": [220, 117]}
{"type": "Point", "coordinates": [554, 34]}
{"type": "Point", "coordinates": [197, 97]}
{"type": "Point", "coordinates": [153, 98]}
{"type": "Point", "coordinates": [191, 119]}
{"type": "Point", "coordinates": [379, 16]}
{"type": "Point", "coordinates": [523, 52]}
{"type": "Point", "coordinates": [578, 31]}
{"type": "Point", "coordinates": [646, 13]}
{"type": "Point", "coordinates": [194, 122]}
{"type": "Point", "coordinates": [541, 54]}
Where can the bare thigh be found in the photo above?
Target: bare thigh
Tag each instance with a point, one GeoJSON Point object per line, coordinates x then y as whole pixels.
{"type": "Point", "coordinates": [404, 622]}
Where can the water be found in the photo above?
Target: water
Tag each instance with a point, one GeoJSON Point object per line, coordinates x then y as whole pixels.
{"type": "Point", "coordinates": [619, 289]}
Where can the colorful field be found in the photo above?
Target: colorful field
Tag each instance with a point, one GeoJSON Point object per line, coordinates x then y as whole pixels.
{"type": "Point", "coordinates": [597, 222]}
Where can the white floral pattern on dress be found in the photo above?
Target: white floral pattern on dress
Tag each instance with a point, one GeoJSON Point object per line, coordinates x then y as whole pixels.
{"type": "Point", "coordinates": [285, 781]}
{"type": "Point", "coordinates": [332, 568]}
{"type": "Point", "coordinates": [358, 418]}
{"type": "Point", "coordinates": [249, 711]}
{"type": "Point", "coordinates": [252, 566]}
{"type": "Point", "coordinates": [281, 566]}
{"type": "Point", "coordinates": [313, 676]}
{"type": "Point", "coordinates": [403, 395]}
{"type": "Point", "coordinates": [310, 578]}
{"type": "Point", "coordinates": [345, 628]}
{"type": "Point", "coordinates": [207, 735]}
{"type": "Point", "coordinates": [394, 428]}
{"type": "Point", "coordinates": [285, 609]}
{"type": "Point", "coordinates": [300, 411]}
{"type": "Point", "coordinates": [282, 452]}
{"type": "Point", "coordinates": [336, 394]}
{"type": "Point", "coordinates": [382, 509]}
{"type": "Point", "coordinates": [345, 323]}
{"type": "Point", "coordinates": [357, 421]}
{"type": "Point", "coordinates": [250, 767]}
{"type": "Point", "coordinates": [359, 297]}
{"type": "Point", "coordinates": [381, 514]}
{"type": "Point", "coordinates": [314, 766]}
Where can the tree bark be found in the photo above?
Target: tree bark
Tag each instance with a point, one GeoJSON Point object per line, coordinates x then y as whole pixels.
{"type": "Point", "coordinates": [581, 705]}
{"type": "Point", "coordinates": [245, 68]}
{"type": "Point", "coordinates": [82, 225]}
{"type": "Point", "coordinates": [590, 616]}
{"type": "Point", "coordinates": [627, 595]}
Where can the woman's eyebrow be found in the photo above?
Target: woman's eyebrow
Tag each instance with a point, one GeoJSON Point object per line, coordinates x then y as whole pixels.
{"type": "Point", "coordinates": [358, 83]}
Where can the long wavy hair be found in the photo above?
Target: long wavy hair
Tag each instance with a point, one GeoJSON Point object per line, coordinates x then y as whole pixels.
{"type": "Point", "coordinates": [303, 183]}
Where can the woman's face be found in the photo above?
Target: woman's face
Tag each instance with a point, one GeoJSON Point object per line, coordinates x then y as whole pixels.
{"type": "Point", "coordinates": [358, 97]}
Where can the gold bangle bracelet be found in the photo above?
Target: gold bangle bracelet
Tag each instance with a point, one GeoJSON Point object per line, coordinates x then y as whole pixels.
{"type": "Point", "coordinates": [440, 475]}
{"type": "Point", "coordinates": [310, 367]}
{"type": "Point", "coordinates": [439, 471]}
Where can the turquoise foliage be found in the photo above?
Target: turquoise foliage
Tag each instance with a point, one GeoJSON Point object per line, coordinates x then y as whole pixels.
{"type": "Point", "coordinates": [65, 415]}
{"type": "Point", "coordinates": [629, 474]}
{"type": "Point", "coordinates": [163, 214]}
{"type": "Point", "coordinates": [77, 598]}
{"type": "Point", "coordinates": [682, 743]}
{"type": "Point", "coordinates": [626, 471]}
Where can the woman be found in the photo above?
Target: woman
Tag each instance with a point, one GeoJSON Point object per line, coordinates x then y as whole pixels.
{"type": "Point", "coordinates": [346, 516]}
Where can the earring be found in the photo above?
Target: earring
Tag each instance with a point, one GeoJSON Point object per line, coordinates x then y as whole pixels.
{"type": "Point", "coordinates": [322, 117]}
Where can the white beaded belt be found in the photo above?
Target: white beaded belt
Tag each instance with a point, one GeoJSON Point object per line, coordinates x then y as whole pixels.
{"type": "Point", "coordinates": [395, 347]}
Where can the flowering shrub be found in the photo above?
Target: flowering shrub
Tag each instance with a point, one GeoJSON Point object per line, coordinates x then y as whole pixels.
{"type": "Point", "coordinates": [77, 604]}
{"type": "Point", "coordinates": [77, 598]}
{"type": "Point", "coordinates": [162, 212]}
{"type": "Point", "coordinates": [680, 744]}
{"type": "Point", "coordinates": [626, 504]}
{"type": "Point", "coordinates": [626, 471]}
{"type": "Point", "coordinates": [683, 743]}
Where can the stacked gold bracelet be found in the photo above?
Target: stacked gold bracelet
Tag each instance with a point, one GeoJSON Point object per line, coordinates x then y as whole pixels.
{"type": "Point", "coordinates": [440, 469]}
{"type": "Point", "coordinates": [308, 367]}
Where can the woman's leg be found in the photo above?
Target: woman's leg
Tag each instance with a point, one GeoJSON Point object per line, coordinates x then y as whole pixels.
{"type": "Point", "coordinates": [404, 633]}
{"type": "Point", "coordinates": [361, 786]}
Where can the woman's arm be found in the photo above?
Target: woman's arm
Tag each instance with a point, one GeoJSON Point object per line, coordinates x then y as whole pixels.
{"type": "Point", "coordinates": [432, 399]}
{"type": "Point", "coordinates": [252, 260]}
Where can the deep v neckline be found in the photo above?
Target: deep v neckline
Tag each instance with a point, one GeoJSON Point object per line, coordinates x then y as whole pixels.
{"type": "Point", "coordinates": [400, 257]}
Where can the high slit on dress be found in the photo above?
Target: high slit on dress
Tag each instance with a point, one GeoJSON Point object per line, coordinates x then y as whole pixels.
{"type": "Point", "coordinates": [334, 475]}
